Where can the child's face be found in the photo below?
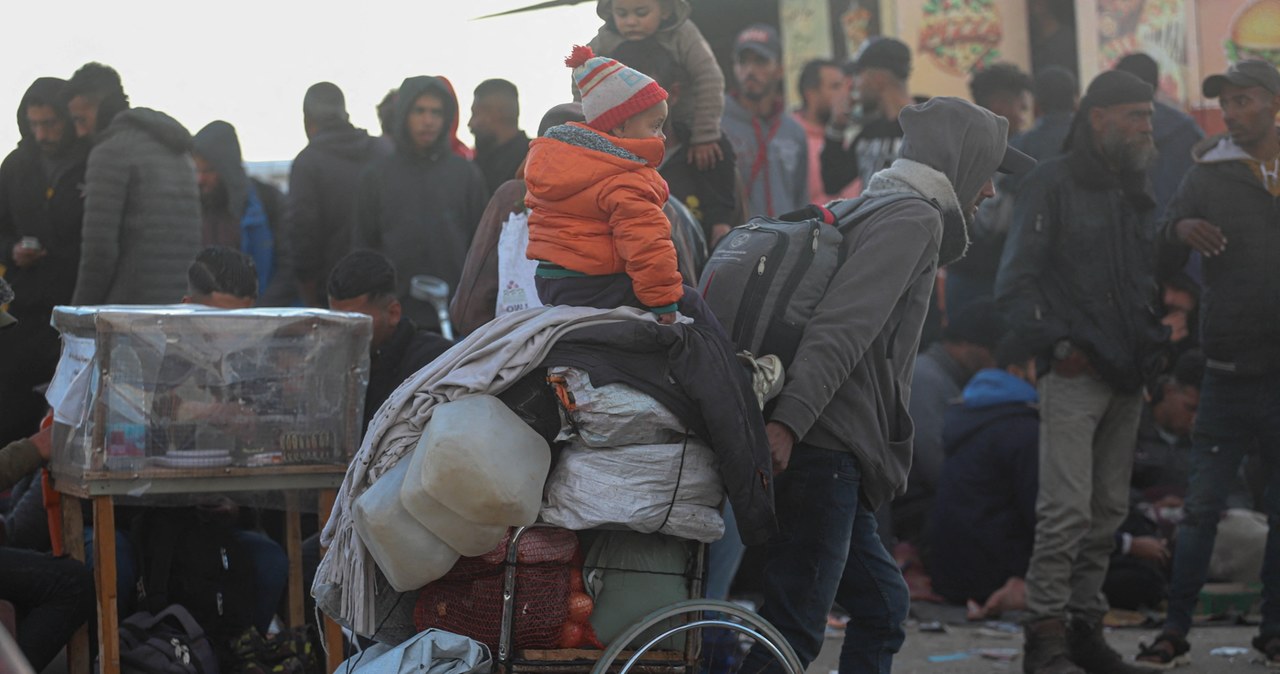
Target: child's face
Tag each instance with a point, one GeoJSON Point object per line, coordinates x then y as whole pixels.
{"type": "Point", "coordinates": [638, 19]}
{"type": "Point", "coordinates": [647, 124]}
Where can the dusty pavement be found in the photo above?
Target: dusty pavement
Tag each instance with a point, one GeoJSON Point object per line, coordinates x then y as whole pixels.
{"type": "Point", "coordinates": [957, 650]}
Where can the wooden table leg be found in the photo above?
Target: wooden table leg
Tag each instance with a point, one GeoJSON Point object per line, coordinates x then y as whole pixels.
{"type": "Point", "coordinates": [332, 632]}
{"type": "Point", "coordinates": [104, 578]}
{"type": "Point", "coordinates": [78, 660]}
{"type": "Point", "coordinates": [293, 547]}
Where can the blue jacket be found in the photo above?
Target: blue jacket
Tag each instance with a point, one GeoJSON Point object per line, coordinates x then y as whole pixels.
{"type": "Point", "coordinates": [983, 523]}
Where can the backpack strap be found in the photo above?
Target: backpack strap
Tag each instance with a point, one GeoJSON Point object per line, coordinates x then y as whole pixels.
{"type": "Point", "coordinates": [850, 213]}
{"type": "Point", "coordinates": [183, 617]}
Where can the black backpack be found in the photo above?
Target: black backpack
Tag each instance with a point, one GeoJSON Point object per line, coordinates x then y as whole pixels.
{"type": "Point", "coordinates": [168, 642]}
{"type": "Point", "coordinates": [192, 558]}
{"type": "Point", "coordinates": [765, 278]}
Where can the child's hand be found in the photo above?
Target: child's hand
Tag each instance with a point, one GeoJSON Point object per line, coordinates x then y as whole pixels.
{"type": "Point", "coordinates": [668, 318]}
{"type": "Point", "coordinates": [705, 155]}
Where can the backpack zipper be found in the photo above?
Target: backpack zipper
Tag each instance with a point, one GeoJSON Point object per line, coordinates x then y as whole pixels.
{"type": "Point", "coordinates": [745, 325]}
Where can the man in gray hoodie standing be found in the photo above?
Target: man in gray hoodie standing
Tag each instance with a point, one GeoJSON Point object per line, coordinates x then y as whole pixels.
{"type": "Point", "coordinates": [141, 204]}
{"type": "Point", "coordinates": [841, 433]}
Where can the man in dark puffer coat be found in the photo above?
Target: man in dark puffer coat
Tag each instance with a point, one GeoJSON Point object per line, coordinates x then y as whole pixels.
{"type": "Point", "coordinates": [142, 207]}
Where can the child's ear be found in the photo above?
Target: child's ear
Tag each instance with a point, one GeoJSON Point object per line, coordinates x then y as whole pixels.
{"type": "Point", "coordinates": [668, 9]}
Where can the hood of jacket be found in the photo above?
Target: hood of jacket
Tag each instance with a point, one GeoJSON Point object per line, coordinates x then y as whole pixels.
{"type": "Point", "coordinates": [1219, 149]}
{"type": "Point", "coordinates": [572, 158]}
{"type": "Point", "coordinates": [218, 144]}
{"type": "Point", "coordinates": [906, 175]}
{"type": "Point", "coordinates": [164, 129]}
{"type": "Point", "coordinates": [997, 387]}
{"type": "Point", "coordinates": [410, 91]}
{"type": "Point", "coordinates": [950, 149]}
{"type": "Point", "coordinates": [680, 13]}
{"type": "Point", "coordinates": [991, 395]}
{"type": "Point", "coordinates": [45, 89]}
{"type": "Point", "coordinates": [346, 141]}
{"type": "Point", "coordinates": [956, 138]}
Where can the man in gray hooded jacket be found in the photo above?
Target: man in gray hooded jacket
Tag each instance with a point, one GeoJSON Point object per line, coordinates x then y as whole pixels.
{"type": "Point", "coordinates": [841, 434]}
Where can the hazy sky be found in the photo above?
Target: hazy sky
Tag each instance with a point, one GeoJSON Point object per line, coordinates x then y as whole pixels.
{"type": "Point", "coordinates": [249, 63]}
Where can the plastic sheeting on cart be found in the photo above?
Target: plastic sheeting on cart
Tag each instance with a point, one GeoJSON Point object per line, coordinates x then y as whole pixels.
{"type": "Point", "coordinates": [431, 652]}
{"type": "Point", "coordinates": [672, 488]}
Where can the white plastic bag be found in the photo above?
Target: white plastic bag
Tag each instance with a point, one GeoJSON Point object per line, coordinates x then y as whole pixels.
{"type": "Point", "coordinates": [674, 489]}
{"type": "Point", "coordinates": [614, 415]}
{"type": "Point", "coordinates": [516, 289]}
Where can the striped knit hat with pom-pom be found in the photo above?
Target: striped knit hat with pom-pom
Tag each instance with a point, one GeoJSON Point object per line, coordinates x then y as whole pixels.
{"type": "Point", "coordinates": [611, 92]}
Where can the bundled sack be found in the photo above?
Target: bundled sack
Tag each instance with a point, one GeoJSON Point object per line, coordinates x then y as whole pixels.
{"type": "Point", "coordinates": [630, 575]}
{"type": "Point", "coordinates": [468, 600]}
{"type": "Point", "coordinates": [612, 415]}
{"type": "Point", "coordinates": [673, 488]}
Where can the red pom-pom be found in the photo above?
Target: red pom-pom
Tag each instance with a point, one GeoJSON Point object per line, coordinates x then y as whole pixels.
{"type": "Point", "coordinates": [579, 56]}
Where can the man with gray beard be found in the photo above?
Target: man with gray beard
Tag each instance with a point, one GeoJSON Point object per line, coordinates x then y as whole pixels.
{"type": "Point", "coordinates": [1077, 283]}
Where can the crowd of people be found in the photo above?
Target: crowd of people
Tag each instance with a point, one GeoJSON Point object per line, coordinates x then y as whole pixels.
{"type": "Point", "coordinates": [1030, 389]}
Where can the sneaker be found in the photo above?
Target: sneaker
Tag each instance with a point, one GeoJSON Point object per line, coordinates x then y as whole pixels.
{"type": "Point", "coordinates": [767, 376]}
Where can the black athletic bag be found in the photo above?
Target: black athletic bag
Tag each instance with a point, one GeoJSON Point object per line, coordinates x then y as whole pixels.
{"type": "Point", "coordinates": [168, 642]}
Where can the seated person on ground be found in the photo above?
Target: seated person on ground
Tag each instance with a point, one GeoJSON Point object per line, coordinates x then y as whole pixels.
{"type": "Point", "coordinates": [942, 371]}
{"type": "Point", "coordinates": [1139, 573]}
{"type": "Point", "coordinates": [52, 596]}
{"type": "Point", "coordinates": [983, 523]}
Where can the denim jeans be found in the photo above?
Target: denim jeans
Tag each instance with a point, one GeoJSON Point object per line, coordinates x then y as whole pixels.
{"type": "Point", "coordinates": [1236, 413]}
{"type": "Point", "coordinates": [724, 557]}
{"type": "Point", "coordinates": [826, 552]}
{"type": "Point", "coordinates": [53, 597]}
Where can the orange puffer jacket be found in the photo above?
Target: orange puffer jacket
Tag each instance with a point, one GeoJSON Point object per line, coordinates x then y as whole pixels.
{"type": "Point", "coordinates": [595, 207]}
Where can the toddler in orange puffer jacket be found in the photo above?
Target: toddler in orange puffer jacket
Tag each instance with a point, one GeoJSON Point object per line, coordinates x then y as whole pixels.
{"type": "Point", "coordinates": [596, 225]}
